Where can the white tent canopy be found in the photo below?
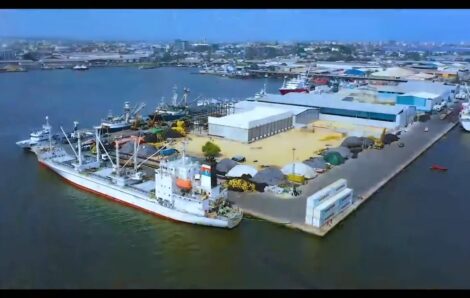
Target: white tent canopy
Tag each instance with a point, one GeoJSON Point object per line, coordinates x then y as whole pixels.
{"type": "Point", "coordinates": [300, 169]}
{"type": "Point", "coordinates": [239, 170]}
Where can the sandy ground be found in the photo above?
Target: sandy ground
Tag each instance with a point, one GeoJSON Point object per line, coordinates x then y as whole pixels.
{"type": "Point", "coordinates": [275, 150]}
{"type": "Point", "coordinates": [349, 129]}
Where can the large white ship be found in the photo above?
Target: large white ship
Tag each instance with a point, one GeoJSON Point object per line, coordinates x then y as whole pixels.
{"type": "Point", "coordinates": [181, 189]}
{"type": "Point", "coordinates": [464, 116]}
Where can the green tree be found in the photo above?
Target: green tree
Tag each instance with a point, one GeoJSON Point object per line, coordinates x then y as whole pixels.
{"type": "Point", "coordinates": [210, 150]}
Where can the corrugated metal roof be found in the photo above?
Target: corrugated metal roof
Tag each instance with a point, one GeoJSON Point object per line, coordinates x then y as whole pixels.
{"type": "Point", "coordinates": [418, 86]}
{"type": "Point", "coordinates": [327, 100]}
{"type": "Point", "coordinates": [245, 105]}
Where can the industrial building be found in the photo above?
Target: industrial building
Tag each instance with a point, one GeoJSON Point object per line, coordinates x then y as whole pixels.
{"type": "Point", "coordinates": [335, 107]}
{"type": "Point", "coordinates": [301, 115]}
{"type": "Point", "coordinates": [252, 125]}
{"type": "Point", "coordinates": [423, 95]}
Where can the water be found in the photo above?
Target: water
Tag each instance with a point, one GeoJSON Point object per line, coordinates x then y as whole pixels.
{"type": "Point", "coordinates": [412, 234]}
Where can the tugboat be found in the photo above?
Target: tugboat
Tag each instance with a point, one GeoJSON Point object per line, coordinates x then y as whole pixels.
{"type": "Point", "coordinates": [172, 112]}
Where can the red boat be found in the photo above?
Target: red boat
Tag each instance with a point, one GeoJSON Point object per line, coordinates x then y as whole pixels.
{"type": "Point", "coordinates": [438, 168]}
{"type": "Point", "coordinates": [298, 85]}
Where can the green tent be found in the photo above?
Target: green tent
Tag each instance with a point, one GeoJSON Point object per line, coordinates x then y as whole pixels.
{"type": "Point", "coordinates": [333, 158]}
{"type": "Point", "coordinates": [156, 131]}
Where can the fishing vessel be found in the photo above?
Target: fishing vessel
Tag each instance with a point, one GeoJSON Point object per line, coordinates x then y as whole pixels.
{"type": "Point", "coordinates": [299, 84]}
{"type": "Point", "coordinates": [36, 137]}
{"type": "Point", "coordinates": [181, 189]}
{"type": "Point", "coordinates": [175, 111]}
{"type": "Point", "coordinates": [123, 122]}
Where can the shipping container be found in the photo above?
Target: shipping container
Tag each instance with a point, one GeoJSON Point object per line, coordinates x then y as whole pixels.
{"type": "Point", "coordinates": [329, 208]}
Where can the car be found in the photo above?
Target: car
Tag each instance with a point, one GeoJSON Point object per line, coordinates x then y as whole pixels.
{"type": "Point", "coordinates": [440, 106]}
{"type": "Point", "coordinates": [239, 158]}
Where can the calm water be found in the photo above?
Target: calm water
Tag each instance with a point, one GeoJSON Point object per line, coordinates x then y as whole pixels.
{"type": "Point", "coordinates": [413, 233]}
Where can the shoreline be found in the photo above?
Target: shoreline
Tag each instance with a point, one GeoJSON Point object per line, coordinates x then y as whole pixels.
{"type": "Point", "coordinates": [276, 210]}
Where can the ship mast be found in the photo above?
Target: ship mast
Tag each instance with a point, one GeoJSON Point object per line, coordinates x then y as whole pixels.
{"type": "Point", "coordinates": [97, 146]}
{"type": "Point", "coordinates": [117, 158]}
{"type": "Point", "coordinates": [48, 127]}
{"type": "Point", "coordinates": [186, 94]}
{"type": "Point", "coordinates": [135, 154]}
{"type": "Point", "coordinates": [175, 96]}
{"type": "Point", "coordinates": [79, 144]}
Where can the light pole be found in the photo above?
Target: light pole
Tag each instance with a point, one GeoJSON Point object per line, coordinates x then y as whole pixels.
{"type": "Point", "coordinates": [293, 161]}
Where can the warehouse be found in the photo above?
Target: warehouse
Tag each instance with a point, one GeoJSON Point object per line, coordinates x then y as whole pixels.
{"type": "Point", "coordinates": [334, 107]}
{"type": "Point", "coordinates": [301, 115]}
{"type": "Point", "coordinates": [423, 101]}
{"type": "Point", "coordinates": [420, 94]}
{"type": "Point", "coordinates": [252, 125]}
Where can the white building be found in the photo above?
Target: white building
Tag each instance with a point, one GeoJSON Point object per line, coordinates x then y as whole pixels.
{"type": "Point", "coordinates": [252, 125]}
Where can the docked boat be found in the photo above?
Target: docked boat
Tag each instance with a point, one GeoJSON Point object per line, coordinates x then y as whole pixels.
{"type": "Point", "coordinates": [175, 111]}
{"type": "Point", "coordinates": [464, 116]}
{"type": "Point", "coordinates": [299, 84]}
{"type": "Point", "coordinates": [181, 189]}
{"type": "Point", "coordinates": [37, 137]}
{"type": "Point", "coordinates": [80, 67]}
{"type": "Point", "coordinates": [148, 66]}
{"type": "Point", "coordinates": [123, 122]}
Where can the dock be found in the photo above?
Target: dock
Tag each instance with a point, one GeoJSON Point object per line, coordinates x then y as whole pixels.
{"type": "Point", "coordinates": [365, 175]}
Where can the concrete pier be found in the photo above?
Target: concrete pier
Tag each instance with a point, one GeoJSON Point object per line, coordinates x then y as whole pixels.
{"type": "Point", "coordinates": [365, 175]}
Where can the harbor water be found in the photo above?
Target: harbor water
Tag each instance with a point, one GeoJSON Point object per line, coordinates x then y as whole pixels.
{"type": "Point", "coordinates": [411, 234]}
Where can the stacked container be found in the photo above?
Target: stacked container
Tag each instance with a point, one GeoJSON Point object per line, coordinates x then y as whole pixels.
{"type": "Point", "coordinates": [328, 203]}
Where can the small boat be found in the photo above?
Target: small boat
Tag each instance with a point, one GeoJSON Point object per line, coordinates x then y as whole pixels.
{"type": "Point", "coordinates": [80, 67]}
{"type": "Point", "coordinates": [438, 168]}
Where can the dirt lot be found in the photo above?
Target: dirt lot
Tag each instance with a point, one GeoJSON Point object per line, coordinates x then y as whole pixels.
{"type": "Point", "coordinates": [275, 150]}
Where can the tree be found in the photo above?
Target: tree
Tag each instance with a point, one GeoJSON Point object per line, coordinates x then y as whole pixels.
{"type": "Point", "coordinates": [210, 150]}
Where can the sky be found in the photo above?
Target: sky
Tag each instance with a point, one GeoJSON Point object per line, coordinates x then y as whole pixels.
{"type": "Point", "coordinates": [237, 25]}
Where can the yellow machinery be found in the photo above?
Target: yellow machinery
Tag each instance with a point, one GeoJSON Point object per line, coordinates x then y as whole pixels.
{"type": "Point", "coordinates": [180, 127]}
{"type": "Point", "coordinates": [379, 143]}
{"type": "Point", "coordinates": [296, 178]}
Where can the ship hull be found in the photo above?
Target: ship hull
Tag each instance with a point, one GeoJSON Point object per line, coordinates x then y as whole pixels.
{"type": "Point", "coordinates": [106, 129]}
{"type": "Point", "coordinates": [465, 125]}
{"type": "Point", "coordinates": [299, 90]}
{"type": "Point", "coordinates": [133, 198]}
{"type": "Point", "coordinates": [167, 117]}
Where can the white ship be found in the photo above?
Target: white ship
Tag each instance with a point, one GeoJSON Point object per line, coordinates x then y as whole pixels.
{"type": "Point", "coordinates": [182, 190]}
{"type": "Point", "coordinates": [80, 67]}
{"type": "Point", "coordinates": [464, 116]}
{"type": "Point", "coordinates": [37, 137]}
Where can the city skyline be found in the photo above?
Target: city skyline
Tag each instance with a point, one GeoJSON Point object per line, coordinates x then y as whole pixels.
{"type": "Point", "coordinates": [237, 25]}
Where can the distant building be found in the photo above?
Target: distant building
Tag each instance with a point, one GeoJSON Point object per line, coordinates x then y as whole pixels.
{"type": "Point", "coordinates": [181, 45]}
{"type": "Point", "coordinates": [7, 55]}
